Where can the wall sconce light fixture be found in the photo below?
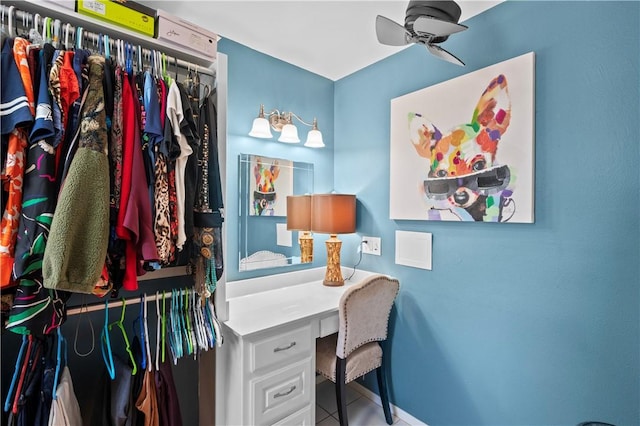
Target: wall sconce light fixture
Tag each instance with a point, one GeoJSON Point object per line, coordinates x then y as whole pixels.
{"type": "Point", "coordinates": [281, 121]}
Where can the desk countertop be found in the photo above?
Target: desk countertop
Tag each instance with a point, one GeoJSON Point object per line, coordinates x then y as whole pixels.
{"type": "Point", "coordinates": [260, 311]}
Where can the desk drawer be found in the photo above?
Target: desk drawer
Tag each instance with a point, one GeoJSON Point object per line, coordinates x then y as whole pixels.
{"type": "Point", "coordinates": [329, 325]}
{"type": "Point", "coordinates": [282, 393]}
{"type": "Point", "coordinates": [286, 345]}
{"type": "Point", "coordinates": [301, 418]}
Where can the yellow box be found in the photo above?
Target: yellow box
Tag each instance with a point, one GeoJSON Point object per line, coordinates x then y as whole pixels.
{"type": "Point", "coordinates": [117, 13]}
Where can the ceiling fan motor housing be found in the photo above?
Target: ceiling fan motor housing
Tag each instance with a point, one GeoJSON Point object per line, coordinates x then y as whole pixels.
{"type": "Point", "coordinates": [443, 10]}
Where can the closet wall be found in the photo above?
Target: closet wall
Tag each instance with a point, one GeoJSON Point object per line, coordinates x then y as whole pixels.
{"type": "Point", "coordinates": [87, 370]}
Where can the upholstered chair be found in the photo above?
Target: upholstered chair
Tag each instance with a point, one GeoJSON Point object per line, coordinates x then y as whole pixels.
{"type": "Point", "coordinates": [356, 350]}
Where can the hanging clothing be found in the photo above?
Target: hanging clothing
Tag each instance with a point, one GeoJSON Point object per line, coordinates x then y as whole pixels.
{"type": "Point", "coordinates": [176, 116]}
{"type": "Point", "coordinates": [147, 401]}
{"type": "Point", "coordinates": [208, 215]}
{"type": "Point", "coordinates": [168, 403]}
{"type": "Point", "coordinates": [65, 410]}
{"type": "Point", "coordinates": [189, 129]}
{"type": "Point", "coordinates": [134, 216]}
{"type": "Point", "coordinates": [16, 117]}
{"type": "Point", "coordinates": [76, 250]}
{"type": "Point", "coordinates": [36, 309]}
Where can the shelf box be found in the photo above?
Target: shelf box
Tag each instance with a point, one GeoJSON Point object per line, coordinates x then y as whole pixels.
{"type": "Point", "coordinates": [184, 34]}
{"type": "Point", "coordinates": [67, 4]}
{"type": "Point", "coordinates": [127, 14]}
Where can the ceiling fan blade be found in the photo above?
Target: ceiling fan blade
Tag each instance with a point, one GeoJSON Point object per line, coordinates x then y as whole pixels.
{"type": "Point", "coordinates": [436, 27]}
{"type": "Point", "coordinates": [443, 54]}
{"type": "Point", "coordinates": [390, 32]}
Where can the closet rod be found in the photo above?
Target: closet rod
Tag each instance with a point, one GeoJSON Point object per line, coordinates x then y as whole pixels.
{"type": "Point", "coordinates": [21, 16]}
{"type": "Point", "coordinates": [117, 303]}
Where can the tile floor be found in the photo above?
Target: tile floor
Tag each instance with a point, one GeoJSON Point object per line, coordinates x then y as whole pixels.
{"type": "Point", "coordinates": [361, 410]}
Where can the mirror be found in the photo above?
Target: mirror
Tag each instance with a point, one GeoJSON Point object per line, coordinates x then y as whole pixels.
{"type": "Point", "coordinates": [265, 183]}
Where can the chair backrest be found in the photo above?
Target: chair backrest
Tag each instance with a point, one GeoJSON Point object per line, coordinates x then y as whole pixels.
{"type": "Point", "coordinates": [364, 313]}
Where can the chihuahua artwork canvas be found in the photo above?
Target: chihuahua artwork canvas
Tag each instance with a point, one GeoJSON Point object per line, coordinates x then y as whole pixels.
{"type": "Point", "coordinates": [463, 150]}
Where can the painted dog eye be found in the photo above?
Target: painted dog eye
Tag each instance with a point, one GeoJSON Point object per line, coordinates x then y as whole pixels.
{"type": "Point", "coordinates": [441, 173]}
{"type": "Point", "coordinates": [479, 165]}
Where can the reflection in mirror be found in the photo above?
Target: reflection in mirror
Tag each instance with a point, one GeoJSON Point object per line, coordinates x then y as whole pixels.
{"type": "Point", "coordinates": [265, 183]}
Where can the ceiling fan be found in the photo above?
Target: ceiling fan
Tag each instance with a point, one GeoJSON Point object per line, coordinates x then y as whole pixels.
{"type": "Point", "coordinates": [426, 22]}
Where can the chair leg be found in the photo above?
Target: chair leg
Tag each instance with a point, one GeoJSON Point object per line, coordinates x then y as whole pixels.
{"type": "Point", "coordinates": [384, 396]}
{"type": "Point", "coordinates": [341, 396]}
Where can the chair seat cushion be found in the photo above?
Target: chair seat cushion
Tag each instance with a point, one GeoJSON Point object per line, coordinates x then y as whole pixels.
{"type": "Point", "coordinates": [364, 359]}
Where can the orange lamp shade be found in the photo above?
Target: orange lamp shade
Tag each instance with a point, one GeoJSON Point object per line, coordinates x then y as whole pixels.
{"type": "Point", "coordinates": [299, 212]}
{"type": "Point", "coordinates": [333, 213]}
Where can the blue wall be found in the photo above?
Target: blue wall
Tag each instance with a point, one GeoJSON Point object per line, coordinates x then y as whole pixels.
{"type": "Point", "coordinates": [516, 324]}
{"type": "Point", "coordinates": [254, 79]}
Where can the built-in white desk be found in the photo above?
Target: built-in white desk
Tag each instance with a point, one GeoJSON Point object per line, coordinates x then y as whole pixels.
{"type": "Point", "coordinates": [269, 348]}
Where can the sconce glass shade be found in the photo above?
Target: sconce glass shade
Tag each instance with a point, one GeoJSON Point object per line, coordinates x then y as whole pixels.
{"type": "Point", "coordinates": [314, 139]}
{"type": "Point", "coordinates": [261, 128]}
{"type": "Point", "coordinates": [333, 213]}
{"type": "Point", "coordinates": [289, 134]}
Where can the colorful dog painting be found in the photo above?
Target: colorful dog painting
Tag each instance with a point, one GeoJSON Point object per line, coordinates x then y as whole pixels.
{"type": "Point", "coordinates": [469, 171]}
{"type": "Point", "coordinates": [270, 183]}
{"type": "Point", "coordinates": [463, 168]}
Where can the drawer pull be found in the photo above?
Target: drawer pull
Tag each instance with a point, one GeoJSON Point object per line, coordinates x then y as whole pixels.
{"type": "Point", "coordinates": [284, 348]}
{"type": "Point", "coordinates": [281, 394]}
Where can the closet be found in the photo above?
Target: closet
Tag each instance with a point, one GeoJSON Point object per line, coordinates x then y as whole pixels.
{"type": "Point", "coordinates": [160, 314]}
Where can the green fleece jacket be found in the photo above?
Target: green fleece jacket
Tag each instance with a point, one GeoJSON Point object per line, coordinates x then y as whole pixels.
{"type": "Point", "coordinates": [77, 245]}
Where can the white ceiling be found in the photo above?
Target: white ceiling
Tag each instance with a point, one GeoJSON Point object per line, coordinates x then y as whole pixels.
{"type": "Point", "coordinates": [330, 38]}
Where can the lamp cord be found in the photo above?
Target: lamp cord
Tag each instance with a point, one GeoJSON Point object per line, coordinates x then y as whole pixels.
{"type": "Point", "coordinates": [359, 260]}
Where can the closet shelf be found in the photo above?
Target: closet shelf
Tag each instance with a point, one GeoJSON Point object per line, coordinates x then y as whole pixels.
{"type": "Point", "coordinates": [88, 23]}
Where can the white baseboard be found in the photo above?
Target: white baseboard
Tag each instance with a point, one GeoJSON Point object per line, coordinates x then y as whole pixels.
{"type": "Point", "coordinates": [398, 412]}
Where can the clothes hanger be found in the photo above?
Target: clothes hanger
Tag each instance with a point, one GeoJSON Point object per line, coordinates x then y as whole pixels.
{"type": "Point", "coordinates": [174, 336]}
{"type": "Point", "coordinates": [67, 29]}
{"type": "Point", "coordinates": [127, 346]}
{"type": "Point", "coordinates": [165, 75]}
{"type": "Point", "coordinates": [139, 58]}
{"type": "Point", "coordinates": [201, 327]}
{"type": "Point", "coordinates": [164, 322]}
{"type": "Point", "coordinates": [105, 341]}
{"type": "Point", "coordinates": [23, 372]}
{"type": "Point", "coordinates": [93, 337]}
{"type": "Point", "coordinates": [79, 37]}
{"type": "Point", "coordinates": [158, 327]}
{"type": "Point", "coordinates": [140, 322]}
{"type": "Point", "coordinates": [216, 323]}
{"type": "Point", "coordinates": [16, 372]}
{"type": "Point", "coordinates": [12, 29]}
{"type": "Point", "coordinates": [210, 326]}
{"type": "Point", "coordinates": [146, 336]}
{"type": "Point", "coordinates": [107, 47]}
{"type": "Point", "coordinates": [46, 32]}
{"type": "Point", "coordinates": [187, 323]}
{"type": "Point", "coordinates": [61, 341]}
{"type": "Point", "coordinates": [57, 26]}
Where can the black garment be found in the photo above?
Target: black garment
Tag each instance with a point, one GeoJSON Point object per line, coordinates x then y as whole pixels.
{"type": "Point", "coordinates": [190, 129]}
{"type": "Point", "coordinates": [45, 396]}
{"type": "Point", "coordinates": [168, 405]}
{"type": "Point", "coordinates": [208, 213]}
{"type": "Point", "coordinates": [112, 403]}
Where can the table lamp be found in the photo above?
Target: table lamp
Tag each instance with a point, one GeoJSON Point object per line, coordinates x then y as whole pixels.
{"type": "Point", "coordinates": [299, 219]}
{"type": "Point", "coordinates": [333, 214]}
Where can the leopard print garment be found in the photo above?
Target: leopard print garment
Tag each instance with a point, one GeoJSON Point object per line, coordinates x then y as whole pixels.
{"type": "Point", "coordinates": [162, 220]}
